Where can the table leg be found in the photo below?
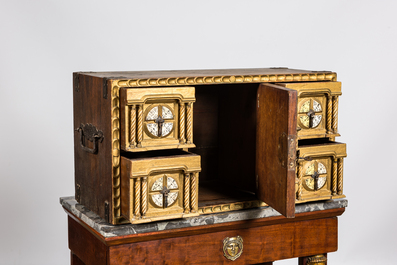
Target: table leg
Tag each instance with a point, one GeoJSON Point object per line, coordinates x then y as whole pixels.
{"type": "Point", "coordinates": [320, 259]}
{"type": "Point", "coordinates": [74, 260]}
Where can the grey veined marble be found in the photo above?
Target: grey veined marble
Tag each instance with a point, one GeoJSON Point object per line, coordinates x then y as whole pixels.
{"type": "Point", "coordinates": [107, 230]}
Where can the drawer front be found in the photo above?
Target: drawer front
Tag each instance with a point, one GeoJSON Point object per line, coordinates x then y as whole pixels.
{"type": "Point", "coordinates": [247, 246]}
{"type": "Point", "coordinates": [159, 188]}
{"type": "Point", "coordinates": [156, 118]}
{"type": "Point", "coordinates": [320, 172]}
{"type": "Point", "coordinates": [317, 109]}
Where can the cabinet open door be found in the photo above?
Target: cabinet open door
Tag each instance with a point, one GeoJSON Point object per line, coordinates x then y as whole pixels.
{"type": "Point", "coordinates": [276, 147]}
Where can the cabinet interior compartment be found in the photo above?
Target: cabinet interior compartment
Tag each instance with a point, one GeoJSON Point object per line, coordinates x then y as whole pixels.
{"type": "Point", "coordinates": [224, 132]}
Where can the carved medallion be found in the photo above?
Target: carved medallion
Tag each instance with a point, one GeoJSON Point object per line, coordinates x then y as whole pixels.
{"type": "Point", "coordinates": [233, 247]}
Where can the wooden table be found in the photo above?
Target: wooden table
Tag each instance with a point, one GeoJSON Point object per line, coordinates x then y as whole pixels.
{"type": "Point", "coordinates": [267, 237]}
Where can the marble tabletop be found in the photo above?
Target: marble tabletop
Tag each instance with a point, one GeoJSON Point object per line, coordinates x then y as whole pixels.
{"type": "Point", "coordinates": [107, 230]}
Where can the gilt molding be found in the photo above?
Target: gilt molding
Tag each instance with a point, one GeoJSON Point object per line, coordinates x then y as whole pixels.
{"type": "Point", "coordinates": [228, 79]}
{"type": "Point", "coordinates": [115, 105]}
{"type": "Point", "coordinates": [230, 207]}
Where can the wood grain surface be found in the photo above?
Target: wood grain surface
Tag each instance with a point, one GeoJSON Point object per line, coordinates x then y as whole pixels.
{"type": "Point", "coordinates": [275, 160]}
{"type": "Point", "coordinates": [74, 260]}
{"type": "Point", "coordinates": [85, 245]}
{"type": "Point", "coordinates": [93, 172]}
{"type": "Point", "coordinates": [265, 240]}
{"type": "Point", "coordinates": [261, 244]}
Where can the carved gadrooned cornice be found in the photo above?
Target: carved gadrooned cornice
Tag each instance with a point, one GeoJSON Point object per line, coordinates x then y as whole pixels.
{"type": "Point", "coordinates": [230, 207]}
{"type": "Point", "coordinates": [229, 79]}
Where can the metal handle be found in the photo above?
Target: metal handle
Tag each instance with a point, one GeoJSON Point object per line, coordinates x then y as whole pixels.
{"type": "Point", "coordinates": [91, 133]}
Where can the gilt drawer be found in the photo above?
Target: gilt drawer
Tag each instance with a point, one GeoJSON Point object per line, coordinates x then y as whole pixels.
{"type": "Point", "coordinates": [156, 118]}
{"type": "Point", "coordinates": [319, 172]}
{"type": "Point", "coordinates": [160, 186]}
{"type": "Point", "coordinates": [317, 109]}
{"type": "Point", "coordinates": [243, 246]}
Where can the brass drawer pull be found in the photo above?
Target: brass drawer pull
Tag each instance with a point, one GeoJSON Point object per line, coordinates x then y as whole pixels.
{"type": "Point", "coordinates": [233, 247]}
{"type": "Point", "coordinates": [91, 133]}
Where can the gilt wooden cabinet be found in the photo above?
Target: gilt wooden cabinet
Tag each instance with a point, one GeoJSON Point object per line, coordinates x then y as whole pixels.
{"type": "Point", "coordinates": [169, 144]}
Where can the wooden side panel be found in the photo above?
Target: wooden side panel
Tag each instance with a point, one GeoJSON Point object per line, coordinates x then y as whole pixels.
{"type": "Point", "coordinates": [88, 248]}
{"type": "Point", "coordinates": [93, 172]}
{"type": "Point", "coordinates": [260, 244]}
{"type": "Point", "coordinates": [276, 147]}
{"type": "Point", "coordinates": [125, 188]}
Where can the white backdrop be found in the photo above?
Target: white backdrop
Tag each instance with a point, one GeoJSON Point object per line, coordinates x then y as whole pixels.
{"type": "Point", "coordinates": [43, 42]}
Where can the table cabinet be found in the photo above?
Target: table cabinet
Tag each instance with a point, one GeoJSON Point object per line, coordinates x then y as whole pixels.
{"type": "Point", "coordinates": [246, 125]}
{"type": "Point", "coordinates": [206, 167]}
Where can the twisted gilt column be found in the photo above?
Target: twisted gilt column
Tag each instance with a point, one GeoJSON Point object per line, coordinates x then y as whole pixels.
{"type": "Point", "coordinates": [186, 194]}
{"type": "Point", "coordinates": [132, 126]}
{"type": "Point", "coordinates": [137, 197]}
{"type": "Point", "coordinates": [335, 114]}
{"type": "Point", "coordinates": [182, 122]}
{"type": "Point", "coordinates": [340, 176]}
{"type": "Point", "coordinates": [334, 176]}
{"type": "Point", "coordinates": [189, 123]}
{"type": "Point", "coordinates": [144, 196]}
{"type": "Point", "coordinates": [193, 190]}
{"type": "Point", "coordinates": [140, 125]}
{"type": "Point", "coordinates": [300, 179]}
{"type": "Point", "coordinates": [329, 114]}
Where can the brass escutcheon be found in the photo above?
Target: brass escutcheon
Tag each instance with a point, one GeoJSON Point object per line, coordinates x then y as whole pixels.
{"type": "Point", "coordinates": [233, 247]}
